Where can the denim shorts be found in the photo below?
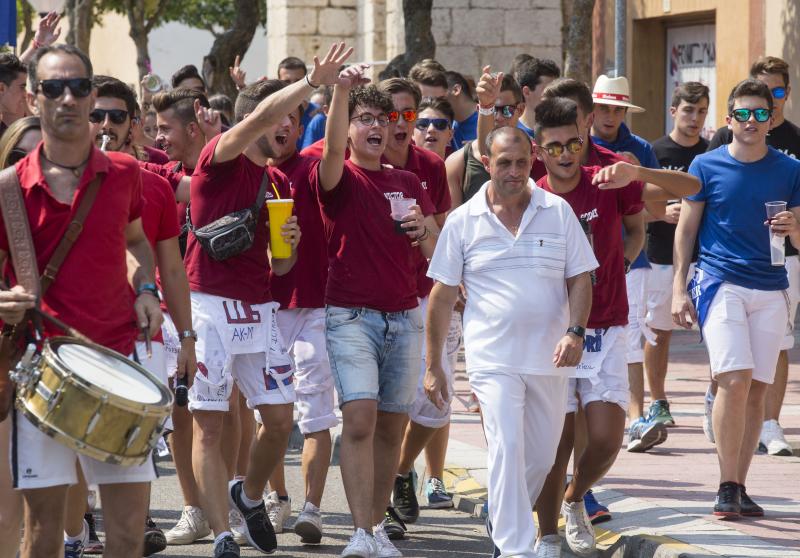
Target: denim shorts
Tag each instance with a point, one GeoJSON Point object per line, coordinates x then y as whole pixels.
{"type": "Point", "coordinates": [375, 355]}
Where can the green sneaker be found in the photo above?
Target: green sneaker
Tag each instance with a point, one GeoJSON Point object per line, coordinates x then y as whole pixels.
{"type": "Point", "coordinates": [659, 412]}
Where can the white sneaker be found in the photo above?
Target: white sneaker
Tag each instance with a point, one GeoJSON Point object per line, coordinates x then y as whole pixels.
{"type": "Point", "coordinates": [772, 440]}
{"type": "Point", "coordinates": [236, 522]}
{"type": "Point", "coordinates": [549, 546]}
{"type": "Point", "coordinates": [279, 511]}
{"type": "Point", "coordinates": [385, 547]}
{"type": "Point", "coordinates": [192, 526]}
{"type": "Point", "coordinates": [579, 530]}
{"type": "Point", "coordinates": [708, 426]}
{"type": "Point", "coordinates": [362, 545]}
{"type": "Point", "coordinates": [309, 525]}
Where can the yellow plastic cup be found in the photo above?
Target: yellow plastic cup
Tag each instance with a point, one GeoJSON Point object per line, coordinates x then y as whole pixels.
{"type": "Point", "coordinates": [279, 213]}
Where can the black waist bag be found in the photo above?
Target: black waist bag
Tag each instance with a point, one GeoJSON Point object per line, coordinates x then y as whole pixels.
{"type": "Point", "coordinates": [233, 233]}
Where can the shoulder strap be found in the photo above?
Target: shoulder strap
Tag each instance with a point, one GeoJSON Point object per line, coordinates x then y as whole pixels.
{"type": "Point", "coordinates": [262, 193]}
{"type": "Point", "coordinates": [20, 241]}
{"type": "Point", "coordinates": [71, 235]}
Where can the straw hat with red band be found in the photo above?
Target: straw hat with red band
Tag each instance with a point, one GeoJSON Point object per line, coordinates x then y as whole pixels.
{"type": "Point", "coordinates": [614, 91]}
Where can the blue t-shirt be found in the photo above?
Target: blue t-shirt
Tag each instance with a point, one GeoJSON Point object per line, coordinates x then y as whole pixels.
{"type": "Point", "coordinates": [641, 148]}
{"type": "Point", "coordinates": [464, 131]}
{"type": "Point", "coordinates": [525, 129]}
{"type": "Point", "coordinates": [315, 130]}
{"type": "Point", "coordinates": [734, 242]}
{"type": "Point", "coordinates": [306, 118]}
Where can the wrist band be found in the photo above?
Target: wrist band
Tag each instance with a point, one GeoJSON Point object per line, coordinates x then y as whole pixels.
{"type": "Point", "coordinates": [485, 111]}
{"type": "Point", "coordinates": [424, 235]}
{"type": "Point", "coordinates": [308, 81]}
{"type": "Point", "coordinates": [37, 44]}
{"type": "Point", "coordinates": [148, 288]}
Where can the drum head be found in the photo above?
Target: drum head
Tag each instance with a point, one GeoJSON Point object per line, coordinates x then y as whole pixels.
{"type": "Point", "coordinates": [109, 373]}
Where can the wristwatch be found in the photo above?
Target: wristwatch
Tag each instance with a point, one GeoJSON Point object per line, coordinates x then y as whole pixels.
{"type": "Point", "coordinates": [186, 333]}
{"type": "Point", "coordinates": [577, 330]}
{"type": "Point", "coordinates": [149, 288]}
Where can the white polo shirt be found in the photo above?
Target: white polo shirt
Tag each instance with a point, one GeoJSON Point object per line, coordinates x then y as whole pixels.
{"type": "Point", "coordinates": [517, 308]}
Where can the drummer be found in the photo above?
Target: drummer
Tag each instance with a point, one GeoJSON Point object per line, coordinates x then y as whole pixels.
{"type": "Point", "coordinates": [91, 293]}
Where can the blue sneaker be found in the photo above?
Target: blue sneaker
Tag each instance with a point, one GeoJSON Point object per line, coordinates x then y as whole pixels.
{"type": "Point", "coordinates": [596, 511]}
{"type": "Point", "coordinates": [437, 496]}
{"type": "Point", "coordinates": [645, 434]}
{"type": "Point", "coordinates": [73, 550]}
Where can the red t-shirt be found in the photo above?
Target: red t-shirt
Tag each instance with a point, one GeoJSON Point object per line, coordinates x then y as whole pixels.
{"type": "Point", "coordinates": [173, 172]}
{"type": "Point", "coordinates": [603, 209]}
{"type": "Point", "coordinates": [315, 150]}
{"type": "Point", "coordinates": [304, 285]}
{"type": "Point", "coordinates": [219, 189]}
{"type": "Point", "coordinates": [91, 291]}
{"type": "Point", "coordinates": [370, 265]}
{"type": "Point", "coordinates": [155, 155]}
{"type": "Point", "coordinates": [431, 172]}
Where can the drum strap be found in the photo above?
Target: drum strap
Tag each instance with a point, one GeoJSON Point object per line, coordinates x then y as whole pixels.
{"type": "Point", "coordinates": [20, 241]}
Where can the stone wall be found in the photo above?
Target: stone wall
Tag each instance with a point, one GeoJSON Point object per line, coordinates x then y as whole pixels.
{"type": "Point", "coordinates": [469, 34]}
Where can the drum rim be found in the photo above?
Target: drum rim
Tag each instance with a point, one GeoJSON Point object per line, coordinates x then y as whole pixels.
{"type": "Point", "coordinates": [50, 349]}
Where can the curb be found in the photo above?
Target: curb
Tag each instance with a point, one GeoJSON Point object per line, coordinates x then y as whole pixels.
{"type": "Point", "coordinates": [469, 496]}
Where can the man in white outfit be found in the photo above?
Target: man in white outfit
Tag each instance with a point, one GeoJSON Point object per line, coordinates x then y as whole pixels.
{"type": "Point", "coordinates": [524, 261]}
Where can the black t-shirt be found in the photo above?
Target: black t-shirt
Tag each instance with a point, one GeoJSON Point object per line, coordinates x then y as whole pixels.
{"type": "Point", "coordinates": [661, 235]}
{"type": "Point", "coordinates": [785, 138]}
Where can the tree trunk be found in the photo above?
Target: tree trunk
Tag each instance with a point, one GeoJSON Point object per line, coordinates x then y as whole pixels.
{"type": "Point", "coordinates": [138, 32]}
{"type": "Point", "coordinates": [229, 44]}
{"type": "Point", "coordinates": [578, 43]}
{"type": "Point", "coordinates": [79, 14]}
{"type": "Point", "coordinates": [420, 43]}
{"type": "Point", "coordinates": [27, 25]}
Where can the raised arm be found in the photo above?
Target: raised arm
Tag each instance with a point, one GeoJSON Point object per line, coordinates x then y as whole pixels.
{"type": "Point", "coordinates": [332, 163]}
{"type": "Point", "coordinates": [274, 108]}
{"type": "Point", "coordinates": [487, 90]}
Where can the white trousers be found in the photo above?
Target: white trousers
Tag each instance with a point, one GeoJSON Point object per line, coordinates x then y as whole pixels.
{"type": "Point", "coordinates": [523, 416]}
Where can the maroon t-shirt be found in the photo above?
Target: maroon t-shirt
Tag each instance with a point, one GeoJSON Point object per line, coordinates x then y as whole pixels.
{"type": "Point", "coordinates": [370, 265]}
{"type": "Point", "coordinates": [304, 285]}
{"type": "Point", "coordinates": [219, 189]}
{"type": "Point", "coordinates": [173, 172]}
{"type": "Point", "coordinates": [155, 155]}
{"type": "Point", "coordinates": [91, 292]}
{"type": "Point", "coordinates": [603, 209]}
{"type": "Point", "coordinates": [431, 172]}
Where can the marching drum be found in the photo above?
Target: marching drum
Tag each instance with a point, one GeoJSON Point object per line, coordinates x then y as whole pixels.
{"type": "Point", "coordinates": [93, 400]}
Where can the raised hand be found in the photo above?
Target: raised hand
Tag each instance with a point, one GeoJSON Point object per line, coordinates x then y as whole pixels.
{"type": "Point", "coordinates": [353, 76]}
{"type": "Point", "coordinates": [237, 74]}
{"type": "Point", "coordinates": [488, 88]}
{"type": "Point", "coordinates": [326, 72]}
{"type": "Point", "coordinates": [617, 175]}
{"type": "Point", "coordinates": [48, 31]}
{"type": "Point", "coordinates": [208, 119]}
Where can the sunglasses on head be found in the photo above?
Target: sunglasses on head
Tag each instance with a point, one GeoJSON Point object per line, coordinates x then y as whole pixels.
{"type": "Point", "coordinates": [117, 116]}
{"type": "Point", "coordinates": [556, 149]}
{"type": "Point", "coordinates": [408, 115]}
{"type": "Point", "coordinates": [16, 155]}
{"type": "Point", "coordinates": [506, 110]}
{"type": "Point", "coordinates": [440, 124]}
{"type": "Point", "coordinates": [743, 114]}
{"type": "Point", "coordinates": [54, 88]}
{"type": "Point", "coordinates": [368, 119]}
{"type": "Point", "coordinates": [778, 92]}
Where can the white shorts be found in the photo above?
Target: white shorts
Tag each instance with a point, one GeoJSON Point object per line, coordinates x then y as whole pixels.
{"type": "Point", "coordinates": [303, 330]}
{"type": "Point", "coordinates": [659, 296]}
{"type": "Point", "coordinates": [744, 330]}
{"type": "Point", "coordinates": [636, 283]}
{"type": "Point", "coordinates": [39, 461]}
{"type": "Point", "coordinates": [603, 370]}
{"type": "Point", "coordinates": [793, 271]}
{"type": "Point", "coordinates": [172, 345]}
{"type": "Point", "coordinates": [423, 411]}
{"type": "Point", "coordinates": [238, 341]}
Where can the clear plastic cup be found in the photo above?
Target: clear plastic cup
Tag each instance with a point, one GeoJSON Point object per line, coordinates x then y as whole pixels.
{"type": "Point", "coordinates": [777, 243]}
{"type": "Point", "coordinates": [400, 208]}
{"type": "Point", "coordinates": [279, 213]}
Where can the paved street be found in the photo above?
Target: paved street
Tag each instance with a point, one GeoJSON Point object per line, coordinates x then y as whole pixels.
{"type": "Point", "coordinates": [440, 533]}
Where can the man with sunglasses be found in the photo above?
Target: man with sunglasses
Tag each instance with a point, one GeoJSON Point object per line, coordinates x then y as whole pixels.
{"type": "Point", "coordinates": [738, 297]}
{"type": "Point", "coordinates": [601, 386]}
{"type": "Point", "coordinates": [430, 170]}
{"type": "Point", "coordinates": [785, 137]}
{"type": "Point", "coordinates": [91, 293]}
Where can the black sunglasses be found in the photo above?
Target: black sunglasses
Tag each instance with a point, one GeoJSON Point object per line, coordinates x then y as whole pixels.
{"type": "Point", "coordinates": [117, 116]}
{"type": "Point", "coordinates": [506, 110]}
{"type": "Point", "coordinates": [440, 124]}
{"type": "Point", "coordinates": [743, 114]}
{"type": "Point", "coordinates": [54, 88]}
{"type": "Point", "coordinates": [16, 155]}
